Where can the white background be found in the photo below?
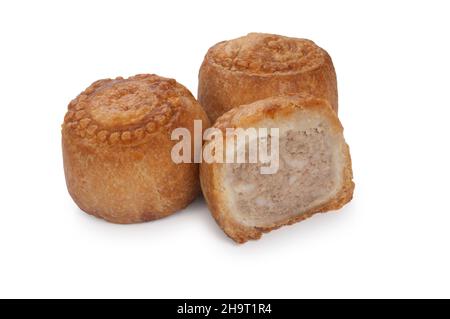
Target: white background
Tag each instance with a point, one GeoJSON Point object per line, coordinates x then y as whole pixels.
{"type": "Point", "coordinates": [392, 60]}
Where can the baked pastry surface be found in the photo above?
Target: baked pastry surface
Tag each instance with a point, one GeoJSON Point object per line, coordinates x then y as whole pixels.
{"type": "Point", "coordinates": [116, 141]}
{"type": "Point", "coordinates": [260, 65]}
{"type": "Point", "coordinates": [314, 175]}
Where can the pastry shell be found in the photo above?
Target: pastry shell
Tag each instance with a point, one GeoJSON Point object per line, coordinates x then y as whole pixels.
{"type": "Point", "coordinates": [116, 142]}
{"type": "Point", "coordinates": [258, 66]}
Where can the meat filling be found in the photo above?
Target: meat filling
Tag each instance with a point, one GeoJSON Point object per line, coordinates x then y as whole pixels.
{"type": "Point", "coordinates": [305, 178]}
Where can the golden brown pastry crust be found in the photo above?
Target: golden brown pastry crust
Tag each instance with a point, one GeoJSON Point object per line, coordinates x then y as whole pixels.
{"type": "Point", "coordinates": [117, 148]}
{"type": "Point", "coordinates": [212, 175]}
{"type": "Point", "coordinates": [258, 66]}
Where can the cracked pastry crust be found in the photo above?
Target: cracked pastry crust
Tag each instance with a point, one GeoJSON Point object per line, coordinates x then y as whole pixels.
{"type": "Point", "coordinates": [230, 195]}
{"type": "Point", "coordinates": [258, 66]}
{"type": "Point", "coordinates": [116, 142]}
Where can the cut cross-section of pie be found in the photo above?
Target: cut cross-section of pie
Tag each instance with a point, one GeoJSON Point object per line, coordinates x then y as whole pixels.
{"type": "Point", "coordinates": [313, 167]}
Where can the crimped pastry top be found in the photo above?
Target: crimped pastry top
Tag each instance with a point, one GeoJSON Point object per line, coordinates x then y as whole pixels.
{"type": "Point", "coordinates": [123, 110]}
{"type": "Point", "coordinates": [261, 53]}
